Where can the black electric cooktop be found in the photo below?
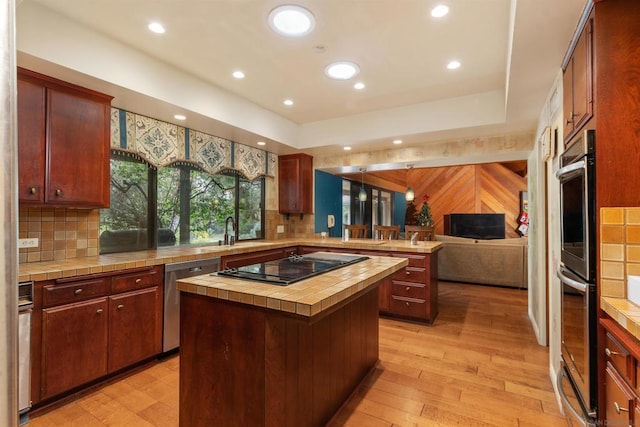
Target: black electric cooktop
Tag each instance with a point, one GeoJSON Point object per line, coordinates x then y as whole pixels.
{"type": "Point", "coordinates": [292, 269]}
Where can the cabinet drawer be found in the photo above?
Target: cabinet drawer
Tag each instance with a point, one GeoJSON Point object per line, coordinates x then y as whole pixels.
{"type": "Point", "coordinates": [133, 281]}
{"type": "Point", "coordinates": [620, 358]}
{"type": "Point", "coordinates": [79, 290]}
{"type": "Point", "coordinates": [411, 274]}
{"type": "Point", "coordinates": [408, 307]}
{"type": "Point", "coordinates": [408, 289]}
{"type": "Point", "coordinates": [414, 260]}
{"type": "Point", "coordinates": [619, 400]}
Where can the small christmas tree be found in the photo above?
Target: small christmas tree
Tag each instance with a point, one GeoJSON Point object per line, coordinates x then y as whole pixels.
{"type": "Point", "coordinates": [424, 217]}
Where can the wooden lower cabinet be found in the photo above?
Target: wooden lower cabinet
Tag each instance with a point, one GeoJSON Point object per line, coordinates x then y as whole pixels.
{"type": "Point", "coordinates": [89, 327]}
{"type": "Point", "coordinates": [74, 345]}
{"type": "Point", "coordinates": [620, 399]}
{"type": "Point", "coordinates": [133, 326]}
{"type": "Point", "coordinates": [411, 293]}
{"type": "Point", "coordinates": [621, 356]}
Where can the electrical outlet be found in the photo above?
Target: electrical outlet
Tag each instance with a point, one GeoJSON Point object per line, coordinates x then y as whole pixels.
{"type": "Point", "coordinates": [280, 229]}
{"type": "Point", "coordinates": [28, 243]}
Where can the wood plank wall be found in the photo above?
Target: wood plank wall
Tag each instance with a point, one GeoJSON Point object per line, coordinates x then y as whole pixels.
{"type": "Point", "coordinates": [483, 188]}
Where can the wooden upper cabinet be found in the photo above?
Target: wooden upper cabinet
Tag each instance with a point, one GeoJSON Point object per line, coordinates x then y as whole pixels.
{"type": "Point", "coordinates": [295, 184]}
{"type": "Point", "coordinates": [578, 84]}
{"type": "Point", "coordinates": [63, 143]}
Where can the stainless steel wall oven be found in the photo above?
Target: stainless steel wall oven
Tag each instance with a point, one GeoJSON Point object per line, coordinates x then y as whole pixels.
{"type": "Point", "coordinates": [577, 380]}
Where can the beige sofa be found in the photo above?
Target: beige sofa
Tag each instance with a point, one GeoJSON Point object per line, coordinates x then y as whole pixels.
{"type": "Point", "coordinates": [501, 262]}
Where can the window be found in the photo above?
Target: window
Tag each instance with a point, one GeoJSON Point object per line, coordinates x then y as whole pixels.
{"type": "Point", "coordinates": [183, 205]}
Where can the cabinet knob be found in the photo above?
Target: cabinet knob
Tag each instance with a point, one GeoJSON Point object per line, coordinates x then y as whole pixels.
{"type": "Point", "coordinates": [408, 288]}
{"type": "Point", "coordinates": [618, 408]}
{"type": "Point", "coordinates": [407, 304]}
{"type": "Point", "coordinates": [78, 291]}
{"type": "Point", "coordinates": [33, 190]}
{"type": "Point", "coordinates": [610, 353]}
{"type": "Point", "coordinates": [58, 192]}
{"type": "Point", "coordinates": [407, 272]}
{"type": "Point", "coordinates": [138, 280]}
{"type": "Point", "coordinates": [99, 311]}
{"type": "Point", "coordinates": [120, 306]}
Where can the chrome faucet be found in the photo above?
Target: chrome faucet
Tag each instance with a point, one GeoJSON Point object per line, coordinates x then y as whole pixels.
{"type": "Point", "coordinates": [229, 240]}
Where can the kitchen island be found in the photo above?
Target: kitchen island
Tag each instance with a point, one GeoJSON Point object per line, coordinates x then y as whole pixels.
{"type": "Point", "coordinates": [259, 354]}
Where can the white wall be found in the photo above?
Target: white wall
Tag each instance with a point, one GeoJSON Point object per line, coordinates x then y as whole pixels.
{"type": "Point", "coordinates": [8, 217]}
{"type": "Point", "coordinates": [544, 259]}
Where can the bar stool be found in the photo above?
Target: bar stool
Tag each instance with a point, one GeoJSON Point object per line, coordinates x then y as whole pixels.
{"type": "Point", "coordinates": [386, 232]}
{"type": "Point", "coordinates": [357, 231]}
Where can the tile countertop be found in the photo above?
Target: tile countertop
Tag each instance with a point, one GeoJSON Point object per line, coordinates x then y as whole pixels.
{"type": "Point", "coordinates": [307, 297]}
{"type": "Point", "coordinates": [48, 270]}
{"type": "Point", "coordinates": [623, 311]}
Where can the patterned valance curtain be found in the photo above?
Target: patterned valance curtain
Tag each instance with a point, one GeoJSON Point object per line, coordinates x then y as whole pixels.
{"type": "Point", "coordinates": [162, 144]}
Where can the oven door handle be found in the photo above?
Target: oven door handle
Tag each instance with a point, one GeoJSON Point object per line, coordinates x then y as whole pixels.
{"type": "Point", "coordinates": [567, 171]}
{"type": "Point", "coordinates": [565, 400]}
{"type": "Point", "coordinates": [578, 286]}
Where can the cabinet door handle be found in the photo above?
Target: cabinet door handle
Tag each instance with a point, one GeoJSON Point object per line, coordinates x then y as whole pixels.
{"type": "Point", "coordinates": [58, 192]}
{"type": "Point", "coordinates": [99, 311]}
{"type": "Point", "coordinates": [610, 353]}
{"type": "Point", "coordinates": [618, 408]}
{"type": "Point", "coordinates": [120, 306]}
{"type": "Point", "coordinates": [138, 280]}
{"type": "Point", "coordinates": [33, 190]}
{"type": "Point", "coordinates": [78, 291]}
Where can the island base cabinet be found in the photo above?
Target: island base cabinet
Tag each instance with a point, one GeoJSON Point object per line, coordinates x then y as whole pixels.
{"type": "Point", "coordinates": [243, 365]}
{"type": "Point", "coordinates": [74, 345]}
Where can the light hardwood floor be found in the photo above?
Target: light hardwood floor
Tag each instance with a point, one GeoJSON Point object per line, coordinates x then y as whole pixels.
{"type": "Point", "coordinates": [478, 365]}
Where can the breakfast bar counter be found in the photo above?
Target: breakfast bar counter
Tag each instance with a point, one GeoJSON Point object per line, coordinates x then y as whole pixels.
{"type": "Point", "coordinates": [260, 354]}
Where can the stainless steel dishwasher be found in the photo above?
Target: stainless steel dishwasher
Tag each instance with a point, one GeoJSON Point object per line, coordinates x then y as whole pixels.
{"type": "Point", "coordinates": [173, 272]}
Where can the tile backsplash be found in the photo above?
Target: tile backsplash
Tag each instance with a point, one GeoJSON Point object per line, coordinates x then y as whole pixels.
{"type": "Point", "coordinates": [74, 233]}
{"type": "Point", "coordinates": [619, 249]}
{"type": "Point", "coordinates": [61, 233]}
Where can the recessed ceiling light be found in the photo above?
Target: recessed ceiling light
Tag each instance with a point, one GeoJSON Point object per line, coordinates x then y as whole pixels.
{"type": "Point", "coordinates": [342, 70]}
{"type": "Point", "coordinates": [397, 141]}
{"type": "Point", "coordinates": [156, 27]}
{"type": "Point", "coordinates": [453, 65]}
{"type": "Point", "coordinates": [180, 117]}
{"type": "Point", "coordinates": [238, 74]}
{"type": "Point", "coordinates": [347, 148]}
{"type": "Point", "coordinates": [358, 86]}
{"type": "Point", "coordinates": [262, 143]}
{"type": "Point", "coordinates": [288, 102]}
{"type": "Point", "coordinates": [439, 11]}
{"type": "Point", "coordinates": [291, 20]}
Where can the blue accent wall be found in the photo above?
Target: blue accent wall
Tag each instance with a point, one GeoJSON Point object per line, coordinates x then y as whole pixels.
{"type": "Point", "coordinates": [328, 201]}
{"type": "Point", "coordinates": [399, 209]}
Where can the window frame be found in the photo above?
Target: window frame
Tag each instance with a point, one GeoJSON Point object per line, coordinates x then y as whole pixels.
{"type": "Point", "coordinates": [152, 205]}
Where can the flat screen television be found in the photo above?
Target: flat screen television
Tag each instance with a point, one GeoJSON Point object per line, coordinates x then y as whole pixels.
{"type": "Point", "coordinates": [484, 226]}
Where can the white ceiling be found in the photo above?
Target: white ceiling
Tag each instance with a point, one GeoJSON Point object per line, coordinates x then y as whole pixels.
{"type": "Point", "coordinates": [510, 51]}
